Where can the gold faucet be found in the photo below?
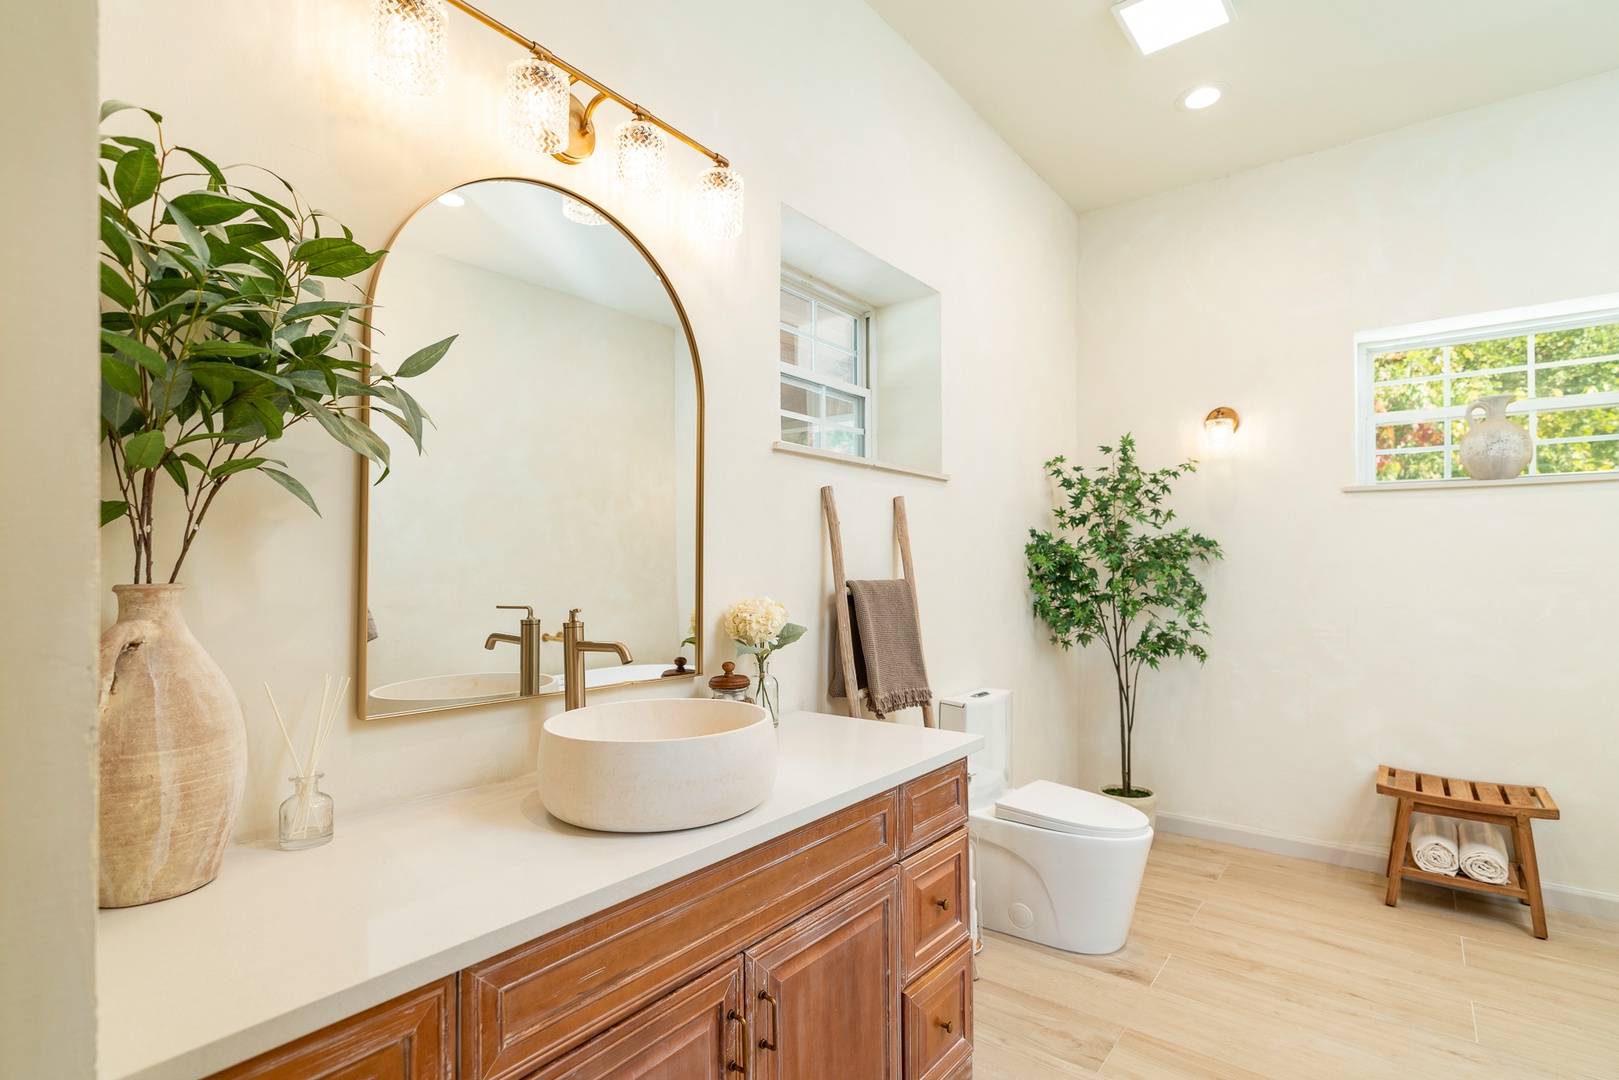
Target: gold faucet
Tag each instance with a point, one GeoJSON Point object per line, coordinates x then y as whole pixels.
{"type": "Point", "coordinates": [574, 647]}
{"type": "Point", "coordinates": [528, 645]}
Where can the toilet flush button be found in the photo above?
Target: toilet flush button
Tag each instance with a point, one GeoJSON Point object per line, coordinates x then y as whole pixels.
{"type": "Point", "coordinates": [1021, 916]}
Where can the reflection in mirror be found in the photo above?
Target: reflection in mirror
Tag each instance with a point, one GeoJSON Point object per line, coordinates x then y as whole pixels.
{"type": "Point", "coordinates": [564, 464]}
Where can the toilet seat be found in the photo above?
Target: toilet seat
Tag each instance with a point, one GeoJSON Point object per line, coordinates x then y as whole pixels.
{"type": "Point", "coordinates": [1060, 808]}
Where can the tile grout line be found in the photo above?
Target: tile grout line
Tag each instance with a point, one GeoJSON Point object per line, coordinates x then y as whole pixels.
{"type": "Point", "coordinates": [1116, 1040]}
{"type": "Point", "coordinates": [1463, 939]}
{"type": "Point", "coordinates": [1473, 1005]}
{"type": "Point", "coordinates": [1155, 975]}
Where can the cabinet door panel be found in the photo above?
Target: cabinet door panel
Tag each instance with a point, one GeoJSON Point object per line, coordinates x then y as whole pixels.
{"type": "Point", "coordinates": [934, 887]}
{"type": "Point", "coordinates": [693, 1034]}
{"type": "Point", "coordinates": [411, 1037]}
{"type": "Point", "coordinates": [824, 993]}
{"type": "Point", "coordinates": [939, 1019]}
{"type": "Point", "coordinates": [931, 806]}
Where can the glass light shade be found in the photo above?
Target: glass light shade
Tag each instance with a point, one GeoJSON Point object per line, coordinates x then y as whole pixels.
{"type": "Point", "coordinates": [1221, 428]}
{"type": "Point", "coordinates": [643, 156]}
{"type": "Point", "coordinates": [583, 213]}
{"type": "Point", "coordinates": [719, 203]}
{"type": "Point", "coordinates": [537, 105]}
{"type": "Point", "coordinates": [410, 44]}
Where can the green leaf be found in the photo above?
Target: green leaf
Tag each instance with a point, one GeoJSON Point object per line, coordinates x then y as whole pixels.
{"type": "Point", "coordinates": [136, 178]}
{"type": "Point", "coordinates": [790, 633]}
{"type": "Point", "coordinates": [246, 234]}
{"type": "Point", "coordinates": [113, 239]}
{"type": "Point", "coordinates": [422, 361]}
{"type": "Point", "coordinates": [111, 106]}
{"type": "Point", "coordinates": [191, 235]}
{"type": "Point", "coordinates": [168, 393]}
{"type": "Point", "coordinates": [227, 348]}
{"type": "Point", "coordinates": [177, 473]}
{"type": "Point", "coordinates": [236, 465]}
{"type": "Point", "coordinates": [208, 208]}
{"type": "Point", "coordinates": [121, 376]}
{"type": "Point", "coordinates": [292, 485]}
{"type": "Point", "coordinates": [112, 510]}
{"type": "Point", "coordinates": [215, 175]}
{"type": "Point", "coordinates": [138, 351]}
{"type": "Point", "coordinates": [117, 407]}
{"type": "Point", "coordinates": [116, 288]}
{"type": "Point", "coordinates": [334, 257]}
{"type": "Point", "coordinates": [144, 451]}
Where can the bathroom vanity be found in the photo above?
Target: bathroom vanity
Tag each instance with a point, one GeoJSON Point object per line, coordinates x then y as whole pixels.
{"type": "Point", "coordinates": [823, 934]}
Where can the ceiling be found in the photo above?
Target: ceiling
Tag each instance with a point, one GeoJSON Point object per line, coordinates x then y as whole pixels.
{"type": "Point", "coordinates": [1101, 125]}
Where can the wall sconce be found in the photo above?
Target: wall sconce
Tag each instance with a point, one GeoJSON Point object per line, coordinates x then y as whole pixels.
{"type": "Point", "coordinates": [410, 47]}
{"type": "Point", "coordinates": [1221, 425]}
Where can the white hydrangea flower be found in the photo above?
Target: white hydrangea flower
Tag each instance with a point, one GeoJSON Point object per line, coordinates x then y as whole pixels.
{"type": "Point", "coordinates": [754, 622]}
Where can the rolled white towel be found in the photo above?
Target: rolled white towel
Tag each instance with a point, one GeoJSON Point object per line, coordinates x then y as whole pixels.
{"type": "Point", "coordinates": [1434, 844]}
{"type": "Point", "coordinates": [1484, 852]}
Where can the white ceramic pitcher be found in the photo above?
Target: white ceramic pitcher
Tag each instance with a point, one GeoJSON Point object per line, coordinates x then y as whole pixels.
{"type": "Point", "coordinates": [1494, 448]}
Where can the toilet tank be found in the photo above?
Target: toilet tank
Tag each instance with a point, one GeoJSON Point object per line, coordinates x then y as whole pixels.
{"type": "Point", "coordinates": [987, 713]}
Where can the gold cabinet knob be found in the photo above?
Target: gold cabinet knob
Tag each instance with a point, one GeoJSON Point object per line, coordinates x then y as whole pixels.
{"type": "Point", "coordinates": [944, 905]}
{"type": "Point", "coordinates": [949, 1026]}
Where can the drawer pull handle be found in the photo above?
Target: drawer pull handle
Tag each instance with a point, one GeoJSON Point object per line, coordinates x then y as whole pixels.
{"type": "Point", "coordinates": [775, 1022]}
{"type": "Point", "coordinates": [944, 905]}
{"type": "Point", "coordinates": [949, 1026]}
{"type": "Point", "coordinates": [746, 1068]}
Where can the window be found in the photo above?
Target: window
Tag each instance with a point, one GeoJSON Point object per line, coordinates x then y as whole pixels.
{"type": "Point", "coordinates": [825, 368]}
{"type": "Point", "coordinates": [1563, 369]}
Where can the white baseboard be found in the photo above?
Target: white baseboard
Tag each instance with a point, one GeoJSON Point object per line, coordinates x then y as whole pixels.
{"type": "Point", "coordinates": [1562, 897]}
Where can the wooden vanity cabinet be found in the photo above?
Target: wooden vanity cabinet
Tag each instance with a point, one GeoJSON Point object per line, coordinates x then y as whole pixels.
{"type": "Point", "coordinates": [839, 950]}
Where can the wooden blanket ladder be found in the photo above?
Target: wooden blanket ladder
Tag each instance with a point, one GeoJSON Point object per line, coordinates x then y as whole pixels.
{"type": "Point", "coordinates": [902, 537]}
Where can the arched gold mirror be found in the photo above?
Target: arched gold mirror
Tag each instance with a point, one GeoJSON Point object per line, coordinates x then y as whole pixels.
{"type": "Point", "coordinates": [562, 468]}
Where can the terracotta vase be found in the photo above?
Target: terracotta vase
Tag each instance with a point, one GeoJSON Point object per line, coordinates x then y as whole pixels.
{"type": "Point", "coordinates": [173, 753]}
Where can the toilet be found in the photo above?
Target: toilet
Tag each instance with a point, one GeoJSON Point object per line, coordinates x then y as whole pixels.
{"type": "Point", "coordinates": [1051, 864]}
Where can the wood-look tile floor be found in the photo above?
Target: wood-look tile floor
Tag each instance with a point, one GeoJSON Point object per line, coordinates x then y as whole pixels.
{"type": "Point", "coordinates": [1243, 965]}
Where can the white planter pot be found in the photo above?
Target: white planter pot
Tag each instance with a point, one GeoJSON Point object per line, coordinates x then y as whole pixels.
{"type": "Point", "coordinates": [1147, 804]}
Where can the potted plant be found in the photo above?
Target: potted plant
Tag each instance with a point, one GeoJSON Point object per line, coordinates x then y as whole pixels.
{"type": "Point", "coordinates": [1114, 571]}
{"type": "Point", "coordinates": [217, 335]}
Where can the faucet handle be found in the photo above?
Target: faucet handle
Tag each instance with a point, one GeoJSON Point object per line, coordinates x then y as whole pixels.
{"type": "Point", "coordinates": [573, 614]}
{"type": "Point", "coordinates": [516, 607]}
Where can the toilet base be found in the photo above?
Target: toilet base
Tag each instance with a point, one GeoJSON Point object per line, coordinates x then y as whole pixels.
{"type": "Point", "coordinates": [1070, 892]}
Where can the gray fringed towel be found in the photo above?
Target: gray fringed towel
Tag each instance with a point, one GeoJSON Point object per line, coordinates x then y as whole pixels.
{"type": "Point", "coordinates": [887, 647]}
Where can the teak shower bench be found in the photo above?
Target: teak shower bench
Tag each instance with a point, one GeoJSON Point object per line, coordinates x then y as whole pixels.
{"type": "Point", "coordinates": [1512, 805]}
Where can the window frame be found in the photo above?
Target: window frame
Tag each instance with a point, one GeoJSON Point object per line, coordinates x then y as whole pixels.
{"type": "Point", "coordinates": [818, 292]}
{"type": "Point", "coordinates": [1445, 333]}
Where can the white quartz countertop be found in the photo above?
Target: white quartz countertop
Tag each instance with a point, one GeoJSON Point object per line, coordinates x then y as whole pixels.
{"type": "Point", "coordinates": [284, 943]}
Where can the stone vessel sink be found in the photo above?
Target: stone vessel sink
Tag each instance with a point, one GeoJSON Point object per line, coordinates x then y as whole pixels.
{"type": "Point", "coordinates": [656, 765]}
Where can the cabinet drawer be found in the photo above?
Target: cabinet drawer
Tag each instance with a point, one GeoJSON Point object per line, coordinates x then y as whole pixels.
{"type": "Point", "coordinates": [540, 1000]}
{"type": "Point", "coordinates": [939, 1019]}
{"type": "Point", "coordinates": [694, 1032]}
{"type": "Point", "coordinates": [931, 806]}
{"type": "Point", "coordinates": [933, 908]}
{"type": "Point", "coordinates": [411, 1037]}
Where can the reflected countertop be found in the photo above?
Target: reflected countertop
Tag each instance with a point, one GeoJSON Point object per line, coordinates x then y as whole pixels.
{"type": "Point", "coordinates": [284, 943]}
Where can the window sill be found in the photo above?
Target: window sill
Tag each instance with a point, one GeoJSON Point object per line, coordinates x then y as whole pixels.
{"type": "Point", "coordinates": [857, 462]}
{"type": "Point", "coordinates": [1517, 481]}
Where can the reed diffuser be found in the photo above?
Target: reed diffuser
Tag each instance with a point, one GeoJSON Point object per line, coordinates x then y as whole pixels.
{"type": "Point", "coordinates": [306, 815]}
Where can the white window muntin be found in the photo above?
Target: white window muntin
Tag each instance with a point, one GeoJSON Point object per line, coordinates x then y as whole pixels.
{"type": "Point", "coordinates": [856, 436]}
{"type": "Point", "coordinates": [1445, 335]}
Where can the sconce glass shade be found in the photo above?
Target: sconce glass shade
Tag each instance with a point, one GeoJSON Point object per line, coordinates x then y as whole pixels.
{"type": "Point", "coordinates": [583, 213]}
{"type": "Point", "coordinates": [537, 105]}
{"type": "Point", "coordinates": [410, 44]}
{"type": "Point", "coordinates": [643, 156]}
{"type": "Point", "coordinates": [719, 203]}
{"type": "Point", "coordinates": [1221, 426]}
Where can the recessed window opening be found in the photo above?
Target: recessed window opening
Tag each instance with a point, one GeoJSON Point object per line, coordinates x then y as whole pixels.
{"type": "Point", "coordinates": [826, 400]}
{"type": "Point", "coordinates": [1563, 371]}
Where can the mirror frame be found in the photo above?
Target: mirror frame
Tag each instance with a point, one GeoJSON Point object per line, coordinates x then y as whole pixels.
{"type": "Point", "coordinates": [363, 473]}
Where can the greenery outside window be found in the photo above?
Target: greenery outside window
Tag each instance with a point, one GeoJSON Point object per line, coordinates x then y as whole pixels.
{"type": "Point", "coordinates": [1563, 370]}
{"type": "Point", "coordinates": [826, 400]}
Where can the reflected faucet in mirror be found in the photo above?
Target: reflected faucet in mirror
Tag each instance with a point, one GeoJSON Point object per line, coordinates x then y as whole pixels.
{"type": "Point", "coordinates": [574, 647]}
{"type": "Point", "coordinates": [527, 641]}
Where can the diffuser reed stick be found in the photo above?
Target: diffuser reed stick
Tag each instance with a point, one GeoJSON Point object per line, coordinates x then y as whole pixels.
{"type": "Point", "coordinates": [306, 817]}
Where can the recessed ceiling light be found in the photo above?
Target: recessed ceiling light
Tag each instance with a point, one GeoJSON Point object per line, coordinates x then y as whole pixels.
{"type": "Point", "coordinates": [1157, 24]}
{"type": "Point", "coordinates": [450, 198]}
{"type": "Point", "coordinates": [1201, 97]}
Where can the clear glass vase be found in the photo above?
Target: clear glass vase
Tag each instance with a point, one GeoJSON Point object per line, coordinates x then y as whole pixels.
{"type": "Point", "coordinates": [767, 692]}
{"type": "Point", "coordinates": [306, 815]}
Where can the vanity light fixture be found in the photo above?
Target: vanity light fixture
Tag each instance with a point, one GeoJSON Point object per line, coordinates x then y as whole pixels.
{"type": "Point", "coordinates": [410, 44]}
{"type": "Point", "coordinates": [409, 49]}
{"type": "Point", "coordinates": [450, 198]}
{"type": "Point", "coordinates": [537, 101]}
{"type": "Point", "coordinates": [643, 156]}
{"type": "Point", "coordinates": [580, 212]}
{"type": "Point", "coordinates": [1157, 24]}
{"type": "Point", "coordinates": [1221, 425]}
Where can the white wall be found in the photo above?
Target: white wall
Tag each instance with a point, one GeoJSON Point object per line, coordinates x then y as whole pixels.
{"type": "Point", "coordinates": [48, 591]}
{"type": "Point", "coordinates": [1469, 633]}
{"type": "Point", "coordinates": [536, 386]}
{"type": "Point", "coordinates": [882, 152]}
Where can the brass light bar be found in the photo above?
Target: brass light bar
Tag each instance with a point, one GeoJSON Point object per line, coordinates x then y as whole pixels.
{"type": "Point", "coordinates": [602, 89]}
